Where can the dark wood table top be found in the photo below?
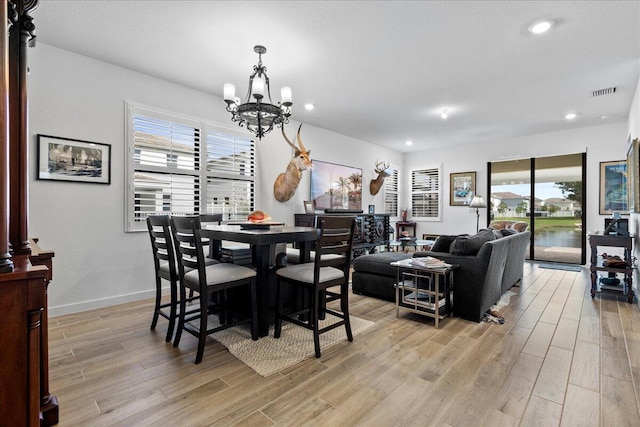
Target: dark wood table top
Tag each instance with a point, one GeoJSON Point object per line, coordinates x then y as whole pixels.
{"type": "Point", "coordinates": [271, 235]}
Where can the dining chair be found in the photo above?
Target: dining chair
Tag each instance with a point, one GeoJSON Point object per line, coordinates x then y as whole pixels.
{"type": "Point", "coordinates": [215, 219]}
{"type": "Point", "coordinates": [207, 280]}
{"type": "Point", "coordinates": [329, 269]}
{"type": "Point", "coordinates": [164, 261]}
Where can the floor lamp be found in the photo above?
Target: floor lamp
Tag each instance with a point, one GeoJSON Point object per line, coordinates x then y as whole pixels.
{"type": "Point", "coordinates": [477, 202]}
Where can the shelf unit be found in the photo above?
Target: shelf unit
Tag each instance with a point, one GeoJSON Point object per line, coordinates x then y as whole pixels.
{"type": "Point", "coordinates": [423, 290]}
{"type": "Point", "coordinates": [597, 268]}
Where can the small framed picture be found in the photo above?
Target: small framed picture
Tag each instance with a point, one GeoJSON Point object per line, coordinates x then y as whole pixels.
{"type": "Point", "coordinates": [308, 207]}
{"type": "Point", "coordinates": [613, 187]}
{"type": "Point", "coordinates": [462, 188]}
{"type": "Point", "coordinates": [74, 160]}
{"type": "Point", "coordinates": [372, 209]}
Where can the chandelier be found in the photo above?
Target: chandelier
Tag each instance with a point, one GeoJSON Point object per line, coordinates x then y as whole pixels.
{"type": "Point", "coordinates": [258, 115]}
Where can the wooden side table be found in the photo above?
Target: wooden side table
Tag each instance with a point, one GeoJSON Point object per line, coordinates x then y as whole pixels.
{"type": "Point", "coordinates": [402, 225]}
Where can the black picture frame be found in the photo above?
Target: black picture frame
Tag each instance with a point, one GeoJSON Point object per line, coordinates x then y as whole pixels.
{"type": "Point", "coordinates": [73, 160]}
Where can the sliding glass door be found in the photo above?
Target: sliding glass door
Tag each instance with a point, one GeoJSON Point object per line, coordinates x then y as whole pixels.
{"type": "Point", "coordinates": [548, 193]}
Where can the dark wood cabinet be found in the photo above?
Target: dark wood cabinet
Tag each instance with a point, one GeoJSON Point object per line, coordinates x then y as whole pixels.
{"type": "Point", "coordinates": [372, 230]}
{"type": "Point", "coordinates": [22, 298]}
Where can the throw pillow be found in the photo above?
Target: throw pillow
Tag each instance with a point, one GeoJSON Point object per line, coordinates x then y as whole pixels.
{"type": "Point", "coordinates": [470, 245]}
{"type": "Point", "coordinates": [507, 232]}
{"type": "Point", "coordinates": [443, 243]}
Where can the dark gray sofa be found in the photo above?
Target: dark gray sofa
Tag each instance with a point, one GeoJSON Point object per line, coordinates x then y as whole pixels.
{"type": "Point", "coordinates": [479, 282]}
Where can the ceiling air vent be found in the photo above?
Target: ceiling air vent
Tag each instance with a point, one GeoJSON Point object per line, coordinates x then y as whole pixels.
{"type": "Point", "coordinates": [607, 91]}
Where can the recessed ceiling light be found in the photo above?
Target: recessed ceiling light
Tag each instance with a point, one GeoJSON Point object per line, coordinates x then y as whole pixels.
{"type": "Point", "coordinates": [570, 116]}
{"type": "Point", "coordinates": [540, 27]}
{"type": "Point", "coordinates": [309, 106]}
{"type": "Point", "coordinates": [605, 117]}
{"type": "Point", "coordinates": [409, 143]}
{"type": "Point", "coordinates": [444, 114]}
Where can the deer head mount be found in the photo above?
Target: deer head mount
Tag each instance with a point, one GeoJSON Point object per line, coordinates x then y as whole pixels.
{"type": "Point", "coordinates": [286, 183]}
{"type": "Point", "coordinates": [376, 184]}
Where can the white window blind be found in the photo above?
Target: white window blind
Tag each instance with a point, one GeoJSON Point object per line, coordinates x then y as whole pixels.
{"type": "Point", "coordinates": [230, 175]}
{"type": "Point", "coordinates": [426, 194]}
{"type": "Point", "coordinates": [182, 166]}
{"type": "Point", "coordinates": [391, 193]}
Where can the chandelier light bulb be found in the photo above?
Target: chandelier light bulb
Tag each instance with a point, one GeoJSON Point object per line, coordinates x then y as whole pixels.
{"type": "Point", "coordinates": [257, 88]}
{"type": "Point", "coordinates": [229, 92]}
{"type": "Point", "coordinates": [285, 95]}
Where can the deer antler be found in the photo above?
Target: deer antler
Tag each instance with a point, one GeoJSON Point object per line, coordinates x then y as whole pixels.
{"type": "Point", "coordinates": [385, 166]}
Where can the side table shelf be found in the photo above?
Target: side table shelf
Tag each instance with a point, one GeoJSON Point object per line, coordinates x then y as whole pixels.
{"type": "Point", "coordinates": [597, 267]}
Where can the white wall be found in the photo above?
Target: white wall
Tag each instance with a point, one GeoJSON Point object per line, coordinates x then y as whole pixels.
{"type": "Point", "coordinates": [96, 263]}
{"type": "Point", "coordinates": [601, 143]}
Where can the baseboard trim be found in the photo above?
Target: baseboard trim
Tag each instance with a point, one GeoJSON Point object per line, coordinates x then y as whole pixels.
{"type": "Point", "coordinates": [61, 310]}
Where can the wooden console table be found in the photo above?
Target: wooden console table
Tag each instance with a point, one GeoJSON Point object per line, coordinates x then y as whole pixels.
{"type": "Point", "coordinates": [625, 242]}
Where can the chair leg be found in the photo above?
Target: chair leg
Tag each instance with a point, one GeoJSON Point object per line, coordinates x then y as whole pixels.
{"type": "Point", "coordinates": [277, 329]}
{"type": "Point", "coordinates": [183, 309]}
{"type": "Point", "coordinates": [344, 307]}
{"type": "Point", "coordinates": [157, 309]}
{"type": "Point", "coordinates": [202, 334]}
{"type": "Point", "coordinates": [315, 314]}
{"type": "Point", "coordinates": [254, 310]}
{"type": "Point", "coordinates": [172, 310]}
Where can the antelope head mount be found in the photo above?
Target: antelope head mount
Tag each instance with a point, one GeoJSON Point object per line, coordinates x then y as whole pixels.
{"type": "Point", "coordinates": [376, 184]}
{"type": "Point", "coordinates": [286, 183]}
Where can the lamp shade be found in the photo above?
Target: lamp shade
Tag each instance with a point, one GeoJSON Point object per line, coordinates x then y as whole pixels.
{"type": "Point", "coordinates": [477, 202]}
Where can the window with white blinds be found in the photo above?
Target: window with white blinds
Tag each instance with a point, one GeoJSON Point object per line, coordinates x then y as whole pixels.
{"type": "Point", "coordinates": [391, 193]}
{"type": "Point", "coordinates": [181, 166]}
{"type": "Point", "coordinates": [426, 196]}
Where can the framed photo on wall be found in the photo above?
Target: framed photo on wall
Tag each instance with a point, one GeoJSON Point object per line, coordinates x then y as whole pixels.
{"type": "Point", "coordinates": [462, 187]}
{"type": "Point", "coordinates": [613, 187]}
{"type": "Point", "coordinates": [73, 160]}
{"type": "Point", "coordinates": [633, 169]}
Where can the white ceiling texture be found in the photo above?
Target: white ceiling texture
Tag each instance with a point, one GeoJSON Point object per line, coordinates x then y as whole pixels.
{"type": "Point", "coordinates": [380, 71]}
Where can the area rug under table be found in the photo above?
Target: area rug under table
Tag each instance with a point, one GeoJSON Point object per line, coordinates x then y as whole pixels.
{"type": "Point", "coordinates": [269, 355]}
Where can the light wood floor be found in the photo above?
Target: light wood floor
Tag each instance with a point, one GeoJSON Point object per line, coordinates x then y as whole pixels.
{"type": "Point", "coordinates": [561, 358]}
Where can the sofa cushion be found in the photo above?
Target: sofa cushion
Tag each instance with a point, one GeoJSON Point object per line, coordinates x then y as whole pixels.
{"type": "Point", "coordinates": [379, 263]}
{"type": "Point", "coordinates": [470, 245]}
{"type": "Point", "coordinates": [443, 243]}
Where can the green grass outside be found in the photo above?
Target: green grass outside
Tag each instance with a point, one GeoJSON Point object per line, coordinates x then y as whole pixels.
{"type": "Point", "coordinates": [546, 222]}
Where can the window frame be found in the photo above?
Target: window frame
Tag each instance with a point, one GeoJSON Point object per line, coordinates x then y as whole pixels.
{"type": "Point", "coordinates": [201, 173]}
{"type": "Point", "coordinates": [392, 193]}
{"type": "Point", "coordinates": [433, 170]}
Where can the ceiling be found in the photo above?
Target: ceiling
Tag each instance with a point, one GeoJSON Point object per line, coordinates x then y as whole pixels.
{"type": "Point", "coordinates": [380, 71]}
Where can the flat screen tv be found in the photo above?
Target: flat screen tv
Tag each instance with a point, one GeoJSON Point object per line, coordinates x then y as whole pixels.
{"type": "Point", "coordinates": [335, 186]}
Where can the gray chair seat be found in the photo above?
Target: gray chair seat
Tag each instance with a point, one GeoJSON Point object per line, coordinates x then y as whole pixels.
{"type": "Point", "coordinates": [304, 273]}
{"type": "Point", "coordinates": [220, 273]}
